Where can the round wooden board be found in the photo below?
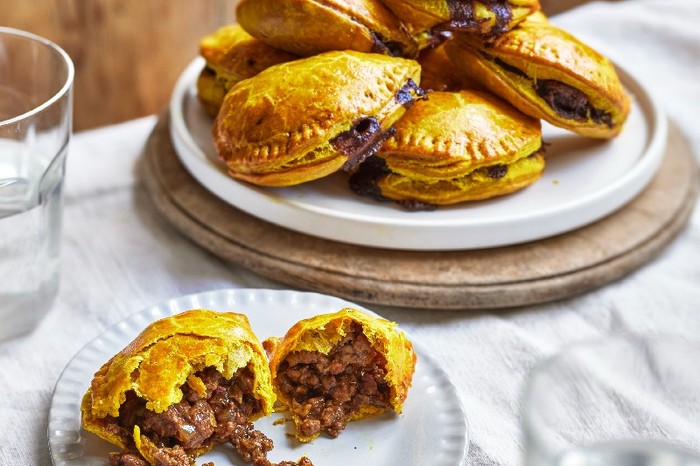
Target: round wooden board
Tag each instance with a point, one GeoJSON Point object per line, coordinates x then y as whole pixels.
{"type": "Point", "coordinates": [535, 272]}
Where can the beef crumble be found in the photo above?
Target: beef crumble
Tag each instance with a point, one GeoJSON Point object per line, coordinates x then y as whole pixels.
{"type": "Point", "coordinates": [219, 413]}
{"type": "Point", "coordinates": [127, 458]}
{"type": "Point", "coordinates": [326, 390]}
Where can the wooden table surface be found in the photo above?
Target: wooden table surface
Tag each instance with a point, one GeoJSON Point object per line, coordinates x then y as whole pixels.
{"type": "Point", "coordinates": [128, 53]}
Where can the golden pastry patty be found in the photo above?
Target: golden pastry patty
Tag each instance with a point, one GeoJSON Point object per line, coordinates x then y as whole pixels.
{"type": "Point", "coordinates": [232, 55]}
{"type": "Point", "coordinates": [308, 27]}
{"type": "Point", "coordinates": [302, 120]}
{"type": "Point", "coordinates": [335, 368]}
{"type": "Point", "coordinates": [186, 383]}
{"type": "Point", "coordinates": [548, 74]}
{"type": "Point", "coordinates": [454, 147]}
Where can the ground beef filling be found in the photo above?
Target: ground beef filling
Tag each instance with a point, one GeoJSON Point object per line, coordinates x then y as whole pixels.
{"type": "Point", "coordinates": [463, 16]}
{"type": "Point", "coordinates": [361, 141]}
{"type": "Point", "coordinates": [221, 414]}
{"type": "Point", "coordinates": [567, 101]}
{"type": "Point", "coordinates": [366, 136]}
{"type": "Point", "coordinates": [327, 389]}
{"type": "Point", "coordinates": [409, 94]}
{"type": "Point", "coordinates": [570, 102]}
{"type": "Point", "coordinates": [497, 171]}
{"type": "Point", "coordinates": [365, 182]}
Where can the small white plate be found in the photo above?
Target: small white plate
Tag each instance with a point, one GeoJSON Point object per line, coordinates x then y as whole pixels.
{"type": "Point", "coordinates": [585, 180]}
{"type": "Point", "coordinates": [431, 430]}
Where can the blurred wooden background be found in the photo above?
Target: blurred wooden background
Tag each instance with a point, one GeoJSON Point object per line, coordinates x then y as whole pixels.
{"type": "Point", "coordinates": [128, 53]}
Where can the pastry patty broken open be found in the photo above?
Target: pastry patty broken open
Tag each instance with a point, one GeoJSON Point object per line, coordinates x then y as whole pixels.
{"type": "Point", "coordinates": [334, 368]}
{"type": "Point", "coordinates": [185, 384]}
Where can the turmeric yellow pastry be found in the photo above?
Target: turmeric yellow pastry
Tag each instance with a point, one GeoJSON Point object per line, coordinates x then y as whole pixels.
{"type": "Point", "coordinates": [302, 120]}
{"type": "Point", "coordinates": [340, 367]}
{"type": "Point", "coordinates": [186, 383]}
{"type": "Point", "coordinates": [548, 74]}
{"type": "Point", "coordinates": [438, 73]}
{"type": "Point", "coordinates": [482, 17]}
{"type": "Point", "coordinates": [232, 55]}
{"type": "Point", "coordinates": [308, 27]}
{"type": "Point", "coordinates": [454, 147]}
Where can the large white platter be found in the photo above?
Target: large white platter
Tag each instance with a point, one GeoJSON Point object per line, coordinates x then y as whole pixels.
{"type": "Point", "coordinates": [431, 430]}
{"type": "Point", "coordinates": [585, 180]}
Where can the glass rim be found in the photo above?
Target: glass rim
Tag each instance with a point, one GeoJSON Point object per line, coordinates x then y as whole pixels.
{"type": "Point", "coordinates": [65, 88]}
{"type": "Point", "coordinates": [528, 427]}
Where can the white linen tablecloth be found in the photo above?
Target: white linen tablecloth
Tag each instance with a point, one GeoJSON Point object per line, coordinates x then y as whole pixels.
{"type": "Point", "coordinates": [119, 257]}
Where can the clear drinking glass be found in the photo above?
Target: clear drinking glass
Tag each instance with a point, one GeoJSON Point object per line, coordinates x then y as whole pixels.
{"type": "Point", "coordinates": [36, 79]}
{"type": "Point", "coordinates": [622, 401]}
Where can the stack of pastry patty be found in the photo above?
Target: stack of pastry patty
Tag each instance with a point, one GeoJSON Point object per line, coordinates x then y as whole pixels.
{"type": "Point", "coordinates": [425, 103]}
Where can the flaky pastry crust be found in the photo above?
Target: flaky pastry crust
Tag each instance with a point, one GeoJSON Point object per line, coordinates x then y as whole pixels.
{"type": "Point", "coordinates": [166, 356]}
{"type": "Point", "coordinates": [456, 147]}
{"type": "Point", "coordinates": [232, 55]}
{"type": "Point", "coordinates": [323, 334]}
{"type": "Point", "coordinates": [282, 126]}
{"type": "Point", "coordinates": [309, 27]}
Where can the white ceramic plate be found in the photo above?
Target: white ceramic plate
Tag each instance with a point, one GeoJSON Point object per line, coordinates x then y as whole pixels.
{"type": "Point", "coordinates": [432, 429]}
{"type": "Point", "coordinates": [585, 180]}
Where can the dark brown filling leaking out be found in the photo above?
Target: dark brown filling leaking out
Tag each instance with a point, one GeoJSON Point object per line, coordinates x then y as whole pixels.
{"type": "Point", "coordinates": [409, 93]}
{"type": "Point", "coordinates": [361, 141]}
{"type": "Point", "coordinates": [567, 101]}
{"type": "Point", "coordinates": [570, 102]}
{"type": "Point", "coordinates": [326, 390]}
{"type": "Point", "coordinates": [197, 422]}
{"type": "Point", "coordinates": [497, 171]}
{"type": "Point", "coordinates": [463, 17]}
{"type": "Point", "coordinates": [365, 182]}
{"type": "Point", "coordinates": [414, 205]}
